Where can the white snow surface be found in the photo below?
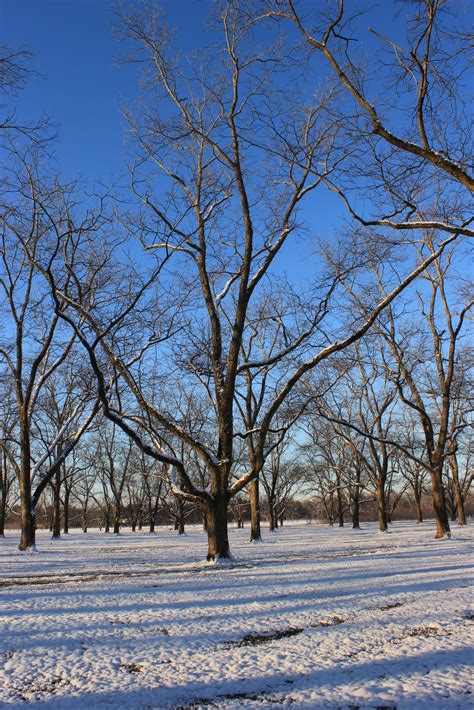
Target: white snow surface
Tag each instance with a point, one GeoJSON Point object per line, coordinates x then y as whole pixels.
{"type": "Point", "coordinates": [138, 621]}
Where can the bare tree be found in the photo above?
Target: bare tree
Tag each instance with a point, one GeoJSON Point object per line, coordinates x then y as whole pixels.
{"type": "Point", "coordinates": [405, 144]}
{"type": "Point", "coordinates": [37, 341]}
{"type": "Point", "coordinates": [237, 160]}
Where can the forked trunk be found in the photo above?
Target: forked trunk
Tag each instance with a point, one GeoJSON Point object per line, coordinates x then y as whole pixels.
{"type": "Point", "coordinates": [217, 532]}
{"type": "Point", "coordinates": [254, 500]}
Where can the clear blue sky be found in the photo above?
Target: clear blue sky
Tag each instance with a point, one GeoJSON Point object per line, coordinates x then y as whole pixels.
{"type": "Point", "coordinates": [81, 84]}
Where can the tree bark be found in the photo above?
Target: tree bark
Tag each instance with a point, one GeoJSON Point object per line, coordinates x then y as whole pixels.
{"type": "Point", "coordinates": [273, 520]}
{"type": "Point", "coordinates": [419, 512]}
{"type": "Point", "coordinates": [57, 504]}
{"type": "Point", "coordinates": [356, 511]}
{"type": "Point", "coordinates": [3, 494]}
{"type": "Point", "coordinates": [217, 529]}
{"type": "Point", "coordinates": [27, 515]}
{"type": "Point", "coordinates": [254, 500]}
{"type": "Point", "coordinates": [458, 497]}
{"type": "Point", "coordinates": [439, 503]}
{"type": "Point", "coordinates": [381, 506]}
{"type": "Point", "coordinates": [340, 510]}
{"type": "Point", "coordinates": [67, 494]}
{"type": "Point", "coordinates": [116, 519]}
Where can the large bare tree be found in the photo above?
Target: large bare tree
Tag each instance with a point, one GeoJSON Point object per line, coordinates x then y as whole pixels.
{"type": "Point", "coordinates": [227, 155]}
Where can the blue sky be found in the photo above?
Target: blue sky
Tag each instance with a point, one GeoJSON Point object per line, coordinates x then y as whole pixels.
{"type": "Point", "coordinates": [81, 84]}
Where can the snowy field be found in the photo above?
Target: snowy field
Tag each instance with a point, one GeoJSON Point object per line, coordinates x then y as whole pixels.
{"type": "Point", "coordinates": [310, 618]}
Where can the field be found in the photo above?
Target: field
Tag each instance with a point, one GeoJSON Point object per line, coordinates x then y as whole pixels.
{"type": "Point", "coordinates": [311, 617]}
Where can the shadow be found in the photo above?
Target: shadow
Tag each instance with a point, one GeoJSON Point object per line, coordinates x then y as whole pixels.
{"type": "Point", "coordinates": [281, 686]}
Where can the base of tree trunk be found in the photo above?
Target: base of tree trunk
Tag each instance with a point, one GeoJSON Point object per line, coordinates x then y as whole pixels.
{"type": "Point", "coordinates": [217, 530]}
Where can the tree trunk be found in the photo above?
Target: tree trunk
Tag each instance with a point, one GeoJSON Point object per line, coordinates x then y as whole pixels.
{"type": "Point", "coordinates": [254, 500]}
{"type": "Point", "coordinates": [57, 504]}
{"type": "Point", "coordinates": [340, 511]}
{"type": "Point", "coordinates": [67, 493]}
{"type": "Point", "coordinates": [3, 494]}
{"type": "Point", "coordinates": [179, 520]}
{"type": "Point", "coordinates": [356, 513]}
{"type": "Point", "coordinates": [439, 503]}
{"type": "Point", "coordinates": [355, 495]}
{"type": "Point", "coordinates": [217, 533]}
{"type": "Point", "coordinates": [458, 497]}
{"type": "Point", "coordinates": [419, 512]}
{"type": "Point", "coordinates": [27, 514]}
{"type": "Point", "coordinates": [381, 506]}
{"type": "Point", "coordinates": [116, 519]}
{"type": "Point", "coordinates": [273, 520]}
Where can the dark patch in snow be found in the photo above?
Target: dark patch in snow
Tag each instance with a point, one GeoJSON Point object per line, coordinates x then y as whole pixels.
{"type": "Point", "coordinates": [131, 667]}
{"type": "Point", "coordinates": [259, 639]}
{"type": "Point", "coordinates": [216, 701]}
{"type": "Point", "coordinates": [333, 621]}
{"type": "Point", "coordinates": [394, 605]}
{"type": "Point", "coordinates": [423, 631]}
{"type": "Point", "coordinates": [49, 687]}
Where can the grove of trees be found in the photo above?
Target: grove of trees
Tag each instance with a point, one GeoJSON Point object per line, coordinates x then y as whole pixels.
{"type": "Point", "coordinates": [161, 356]}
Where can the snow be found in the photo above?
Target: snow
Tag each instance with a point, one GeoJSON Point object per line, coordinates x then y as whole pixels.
{"type": "Point", "coordinates": [311, 617]}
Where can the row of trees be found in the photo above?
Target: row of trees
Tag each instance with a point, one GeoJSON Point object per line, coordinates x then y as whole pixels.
{"type": "Point", "coordinates": [106, 483]}
{"type": "Point", "coordinates": [174, 316]}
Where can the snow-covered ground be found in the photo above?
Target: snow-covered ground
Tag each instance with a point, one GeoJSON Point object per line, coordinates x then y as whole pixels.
{"type": "Point", "coordinates": [310, 618]}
